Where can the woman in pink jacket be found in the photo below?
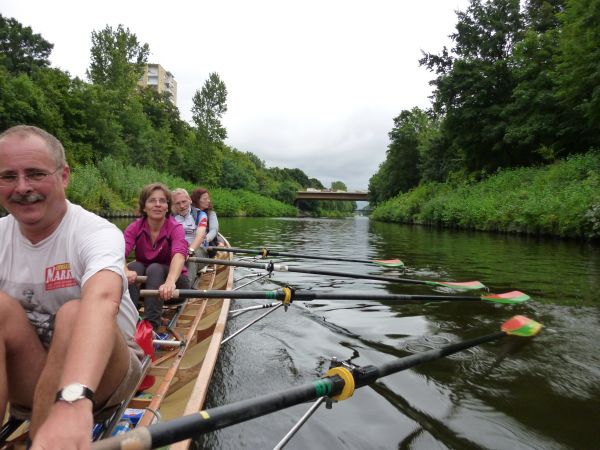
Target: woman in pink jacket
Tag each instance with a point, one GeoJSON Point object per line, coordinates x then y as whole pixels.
{"type": "Point", "coordinates": [160, 251]}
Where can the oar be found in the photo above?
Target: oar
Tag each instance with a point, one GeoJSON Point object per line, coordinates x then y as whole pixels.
{"type": "Point", "coordinates": [468, 285]}
{"type": "Point", "coordinates": [338, 383]}
{"type": "Point", "coordinates": [288, 295]}
{"type": "Point", "coordinates": [265, 252]}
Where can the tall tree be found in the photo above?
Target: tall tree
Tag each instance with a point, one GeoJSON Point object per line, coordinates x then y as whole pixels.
{"type": "Point", "coordinates": [474, 82]}
{"type": "Point", "coordinates": [22, 50]}
{"type": "Point", "coordinates": [577, 74]}
{"type": "Point", "coordinates": [401, 170]}
{"type": "Point", "coordinates": [532, 115]}
{"type": "Point", "coordinates": [210, 103]}
{"type": "Point", "coordinates": [117, 58]}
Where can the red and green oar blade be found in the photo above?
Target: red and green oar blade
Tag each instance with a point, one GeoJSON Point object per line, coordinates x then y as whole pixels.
{"type": "Point", "coordinates": [521, 326]}
{"type": "Point", "coordinates": [509, 298]}
{"type": "Point", "coordinates": [459, 285]}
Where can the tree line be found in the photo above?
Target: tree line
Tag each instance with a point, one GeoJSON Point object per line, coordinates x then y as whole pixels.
{"type": "Point", "coordinates": [520, 87]}
{"type": "Point", "coordinates": [109, 116]}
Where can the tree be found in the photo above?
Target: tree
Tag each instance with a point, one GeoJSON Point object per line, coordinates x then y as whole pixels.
{"type": "Point", "coordinates": [475, 83]}
{"type": "Point", "coordinates": [22, 51]}
{"type": "Point", "coordinates": [577, 75]}
{"type": "Point", "coordinates": [117, 58]}
{"type": "Point", "coordinates": [401, 170]}
{"type": "Point", "coordinates": [239, 171]}
{"type": "Point", "coordinates": [210, 103]}
{"type": "Point", "coordinates": [533, 114]}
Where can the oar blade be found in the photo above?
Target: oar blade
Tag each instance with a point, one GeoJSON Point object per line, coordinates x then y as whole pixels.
{"type": "Point", "coordinates": [388, 262]}
{"type": "Point", "coordinates": [459, 285]}
{"type": "Point", "coordinates": [508, 298]}
{"type": "Point", "coordinates": [521, 326]}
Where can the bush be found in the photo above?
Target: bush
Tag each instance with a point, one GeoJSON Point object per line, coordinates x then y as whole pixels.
{"type": "Point", "coordinates": [562, 199]}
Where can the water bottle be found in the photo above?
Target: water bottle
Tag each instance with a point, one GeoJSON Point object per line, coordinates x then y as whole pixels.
{"type": "Point", "coordinates": [123, 426]}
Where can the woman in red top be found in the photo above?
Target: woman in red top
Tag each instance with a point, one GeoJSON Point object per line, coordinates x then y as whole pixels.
{"type": "Point", "coordinates": [160, 251]}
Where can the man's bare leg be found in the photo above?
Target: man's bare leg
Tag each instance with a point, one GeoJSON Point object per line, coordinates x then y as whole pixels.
{"type": "Point", "coordinates": [22, 355]}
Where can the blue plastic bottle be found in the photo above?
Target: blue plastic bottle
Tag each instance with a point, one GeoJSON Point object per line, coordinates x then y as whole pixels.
{"type": "Point", "coordinates": [123, 426]}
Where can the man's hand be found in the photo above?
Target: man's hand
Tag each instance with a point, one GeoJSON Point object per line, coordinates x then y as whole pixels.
{"type": "Point", "coordinates": [69, 426]}
{"type": "Point", "coordinates": [131, 276]}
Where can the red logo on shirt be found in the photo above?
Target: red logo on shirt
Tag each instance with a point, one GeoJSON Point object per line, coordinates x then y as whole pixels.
{"type": "Point", "coordinates": [59, 276]}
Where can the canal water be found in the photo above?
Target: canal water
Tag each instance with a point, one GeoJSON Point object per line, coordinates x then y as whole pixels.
{"type": "Point", "coordinates": [540, 394]}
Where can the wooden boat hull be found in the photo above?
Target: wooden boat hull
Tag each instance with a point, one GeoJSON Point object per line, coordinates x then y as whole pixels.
{"type": "Point", "coordinates": [183, 374]}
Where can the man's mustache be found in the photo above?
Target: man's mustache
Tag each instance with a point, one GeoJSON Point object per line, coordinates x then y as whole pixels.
{"type": "Point", "coordinates": [26, 199]}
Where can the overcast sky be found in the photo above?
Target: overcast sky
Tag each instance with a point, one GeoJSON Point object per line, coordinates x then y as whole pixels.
{"type": "Point", "coordinates": [311, 84]}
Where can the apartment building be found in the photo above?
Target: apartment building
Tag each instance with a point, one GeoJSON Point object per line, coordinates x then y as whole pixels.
{"type": "Point", "coordinates": [158, 78]}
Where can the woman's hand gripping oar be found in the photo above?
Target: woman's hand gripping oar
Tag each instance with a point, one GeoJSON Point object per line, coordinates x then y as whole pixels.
{"type": "Point", "coordinates": [338, 383]}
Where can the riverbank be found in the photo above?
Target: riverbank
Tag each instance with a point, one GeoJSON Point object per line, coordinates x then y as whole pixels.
{"type": "Point", "coordinates": [562, 199]}
{"type": "Point", "coordinates": [112, 190]}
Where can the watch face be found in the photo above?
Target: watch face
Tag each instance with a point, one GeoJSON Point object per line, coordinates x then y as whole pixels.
{"type": "Point", "coordinates": [72, 392]}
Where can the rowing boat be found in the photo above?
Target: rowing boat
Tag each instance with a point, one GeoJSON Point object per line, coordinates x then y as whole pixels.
{"type": "Point", "coordinates": [185, 358]}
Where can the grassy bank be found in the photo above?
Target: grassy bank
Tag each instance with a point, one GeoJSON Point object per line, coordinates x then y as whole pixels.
{"type": "Point", "coordinates": [562, 199]}
{"type": "Point", "coordinates": [110, 186]}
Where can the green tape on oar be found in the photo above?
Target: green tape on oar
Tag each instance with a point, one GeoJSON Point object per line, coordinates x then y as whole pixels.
{"type": "Point", "coordinates": [521, 326]}
{"type": "Point", "coordinates": [510, 298]}
{"type": "Point", "coordinates": [463, 286]}
{"type": "Point", "coordinates": [388, 262]}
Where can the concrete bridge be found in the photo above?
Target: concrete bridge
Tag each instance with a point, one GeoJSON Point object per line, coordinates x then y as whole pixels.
{"type": "Point", "coordinates": [327, 194]}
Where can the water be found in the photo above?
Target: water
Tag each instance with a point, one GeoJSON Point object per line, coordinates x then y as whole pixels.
{"type": "Point", "coordinates": [501, 395]}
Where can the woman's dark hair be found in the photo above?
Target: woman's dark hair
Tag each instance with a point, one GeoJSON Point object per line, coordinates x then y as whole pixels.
{"type": "Point", "coordinates": [147, 192]}
{"type": "Point", "coordinates": [199, 192]}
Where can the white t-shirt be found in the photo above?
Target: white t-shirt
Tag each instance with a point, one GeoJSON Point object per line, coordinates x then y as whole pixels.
{"type": "Point", "coordinates": [44, 276]}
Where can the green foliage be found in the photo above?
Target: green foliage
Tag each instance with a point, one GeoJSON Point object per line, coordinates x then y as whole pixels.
{"type": "Point", "coordinates": [561, 199]}
{"type": "Point", "coordinates": [239, 171]}
{"type": "Point", "coordinates": [474, 86]}
{"type": "Point", "coordinates": [114, 187]}
{"type": "Point", "coordinates": [577, 74]}
{"type": "Point", "coordinates": [210, 104]}
{"type": "Point", "coordinates": [88, 188]}
{"type": "Point", "coordinates": [21, 50]}
{"type": "Point", "coordinates": [117, 58]}
{"type": "Point", "coordinates": [533, 114]}
{"type": "Point", "coordinates": [402, 168]}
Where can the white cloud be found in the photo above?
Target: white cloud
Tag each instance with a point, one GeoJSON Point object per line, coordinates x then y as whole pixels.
{"type": "Point", "coordinates": [311, 84]}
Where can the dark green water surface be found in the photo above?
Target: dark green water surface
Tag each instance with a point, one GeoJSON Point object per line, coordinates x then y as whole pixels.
{"type": "Point", "coordinates": [502, 395]}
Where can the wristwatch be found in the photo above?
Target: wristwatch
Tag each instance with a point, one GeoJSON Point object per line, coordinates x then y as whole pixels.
{"type": "Point", "coordinates": [73, 392]}
{"type": "Point", "coordinates": [191, 251]}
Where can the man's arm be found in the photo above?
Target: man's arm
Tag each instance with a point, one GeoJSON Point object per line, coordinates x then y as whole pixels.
{"type": "Point", "coordinates": [213, 226]}
{"type": "Point", "coordinates": [200, 231]}
{"type": "Point", "coordinates": [89, 347]}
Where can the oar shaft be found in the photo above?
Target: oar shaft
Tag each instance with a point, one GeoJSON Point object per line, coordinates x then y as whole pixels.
{"type": "Point", "coordinates": [431, 355]}
{"type": "Point", "coordinates": [187, 427]}
{"type": "Point", "coordinates": [284, 268]}
{"type": "Point", "coordinates": [291, 255]}
{"type": "Point", "coordinates": [308, 296]}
